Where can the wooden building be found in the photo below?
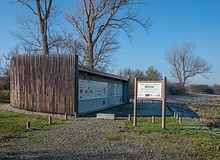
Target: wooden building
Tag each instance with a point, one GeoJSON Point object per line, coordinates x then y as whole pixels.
{"type": "Point", "coordinates": [57, 84]}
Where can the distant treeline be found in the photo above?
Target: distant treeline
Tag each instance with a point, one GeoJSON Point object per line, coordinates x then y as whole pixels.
{"type": "Point", "coordinates": [200, 88]}
{"type": "Point", "coordinates": [176, 89]}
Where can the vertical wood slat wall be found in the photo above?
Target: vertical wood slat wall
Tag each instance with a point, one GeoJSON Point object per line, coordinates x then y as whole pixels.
{"type": "Point", "coordinates": [44, 83]}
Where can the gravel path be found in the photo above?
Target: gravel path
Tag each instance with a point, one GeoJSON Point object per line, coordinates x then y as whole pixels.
{"type": "Point", "coordinates": [89, 138]}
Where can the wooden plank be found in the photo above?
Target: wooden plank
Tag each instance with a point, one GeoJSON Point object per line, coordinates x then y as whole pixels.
{"type": "Point", "coordinates": [75, 84]}
{"type": "Point", "coordinates": [25, 81]}
{"type": "Point", "coordinates": [70, 89]}
{"type": "Point", "coordinates": [12, 81]}
{"type": "Point", "coordinates": [28, 80]}
{"type": "Point", "coordinates": [58, 84]}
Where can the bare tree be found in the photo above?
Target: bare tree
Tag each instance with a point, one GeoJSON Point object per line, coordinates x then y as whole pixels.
{"type": "Point", "coordinates": [5, 71]}
{"type": "Point", "coordinates": [153, 74]}
{"type": "Point", "coordinates": [97, 22]}
{"type": "Point", "coordinates": [6, 58]}
{"type": "Point", "coordinates": [1, 66]}
{"type": "Point", "coordinates": [35, 38]}
{"type": "Point", "coordinates": [184, 64]}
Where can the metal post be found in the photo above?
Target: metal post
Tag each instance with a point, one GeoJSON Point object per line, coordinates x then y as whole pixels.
{"type": "Point", "coordinates": [135, 101]}
{"type": "Point", "coordinates": [164, 104]}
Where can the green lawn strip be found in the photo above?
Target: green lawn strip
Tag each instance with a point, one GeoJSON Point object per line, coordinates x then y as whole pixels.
{"type": "Point", "coordinates": [12, 123]}
{"type": "Point", "coordinates": [208, 139]}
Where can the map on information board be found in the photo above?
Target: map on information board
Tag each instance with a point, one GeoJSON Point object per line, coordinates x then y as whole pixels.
{"type": "Point", "coordinates": [89, 89]}
{"type": "Point", "coordinates": [118, 90]}
{"type": "Point", "coordinates": [149, 90]}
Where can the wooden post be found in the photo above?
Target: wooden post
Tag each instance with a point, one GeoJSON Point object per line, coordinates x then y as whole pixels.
{"type": "Point", "coordinates": [49, 120]}
{"type": "Point", "coordinates": [135, 101]}
{"type": "Point", "coordinates": [177, 116]}
{"type": "Point", "coordinates": [129, 118]}
{"type": "Point", "coordinates": [153, 119]}
{"type": "Point", "coordinates": [174, 114]}
{"type": "Point", "coordinates": [164, 104]}
{"type": "Point", "coordinates": [28, 125]}
{"type": "Point", "coordinates": [65, 116]}
{"type": "Point", "coordinates": [180, 120]}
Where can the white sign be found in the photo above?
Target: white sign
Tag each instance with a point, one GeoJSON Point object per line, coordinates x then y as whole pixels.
{"type": "Point", "coordinates": [149, 90]}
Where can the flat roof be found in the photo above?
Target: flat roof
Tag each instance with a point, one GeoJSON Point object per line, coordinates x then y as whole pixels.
{"type": "Point", "coordinates": [96, 72]}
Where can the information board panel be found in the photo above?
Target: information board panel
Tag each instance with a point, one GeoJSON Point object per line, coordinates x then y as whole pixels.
{"type": "Point", "coordinates": [149, 90]}
{"type": "Point", "coordinates": [89, 89]}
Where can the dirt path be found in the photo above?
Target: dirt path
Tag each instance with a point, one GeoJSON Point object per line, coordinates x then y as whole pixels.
{"type": "Point", "coordinates": [89, 138]}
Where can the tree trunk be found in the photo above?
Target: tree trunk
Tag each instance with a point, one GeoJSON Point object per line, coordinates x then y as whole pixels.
{"type": "Point", "coordinates": [43, 25]}
{"type": "Point", "coordinates": [45, 44]}
{"type": "Point", "coordinates": [89, 56]}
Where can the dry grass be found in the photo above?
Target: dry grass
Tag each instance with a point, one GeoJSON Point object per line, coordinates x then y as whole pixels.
{"type": "Point", "coordinates": [113, 137]}
{"type": "Point", "coordinates": [205, 105]}
{"type": "Point", "coordinates": [210, 122]}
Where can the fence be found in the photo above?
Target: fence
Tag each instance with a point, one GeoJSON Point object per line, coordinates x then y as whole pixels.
{"type": "Point", "coordinates": [44, 83]}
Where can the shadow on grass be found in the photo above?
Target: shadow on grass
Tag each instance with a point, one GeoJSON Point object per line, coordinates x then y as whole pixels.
{"type": "Point", "coordinates": [143, 109]}
{"type": "Point", "coordinates": [147, 109]}
{"type": "Point", "coordinates": [182, 110]}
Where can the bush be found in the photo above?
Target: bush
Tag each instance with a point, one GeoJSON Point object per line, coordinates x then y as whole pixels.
{"type": "Point", "coordinates": [4, 95]}
{"type": "Point", "coordinates": [4, 88]}
{"type": "Point", "coordinates": [216, 87]}
{"type": "Point", "coordinates": [201, 89]}
{"type": "Point", "coordinates": [175, 89]}
{"type": "Point", "coordinates": [209, 122]}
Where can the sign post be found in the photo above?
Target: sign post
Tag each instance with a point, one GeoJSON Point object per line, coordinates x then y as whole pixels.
{"type": "Point", "coordinates": [150, 90]}
{"type": "Point", "coordinates": [135, 101]}
{"type": "Point", "coordinates": [164, 104]}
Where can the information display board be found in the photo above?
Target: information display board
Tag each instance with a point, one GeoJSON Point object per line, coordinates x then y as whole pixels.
{"type": "Point", "coordinates": [118, 90]}
{"type": "Point", "coordinates": [149, 90]}
{"type": "Point", "coordinates": [89, 89]}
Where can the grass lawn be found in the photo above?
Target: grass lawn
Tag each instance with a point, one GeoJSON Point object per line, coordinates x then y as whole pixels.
{"type": "Point", "coordinates": [12, 123]}
{"type": "Point", "coordinates": [208, 139]}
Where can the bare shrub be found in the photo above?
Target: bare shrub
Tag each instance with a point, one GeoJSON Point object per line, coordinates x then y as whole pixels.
{"type": "Point", "coordinates": [175, 89]}
{"type": "Point", "coordinates": [201, 89]}
{"type": "Point", "coordinates": [209, 122]}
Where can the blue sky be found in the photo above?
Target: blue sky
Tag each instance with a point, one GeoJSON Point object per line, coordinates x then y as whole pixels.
{"type": "Point", "coordinates": [174, 22]}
